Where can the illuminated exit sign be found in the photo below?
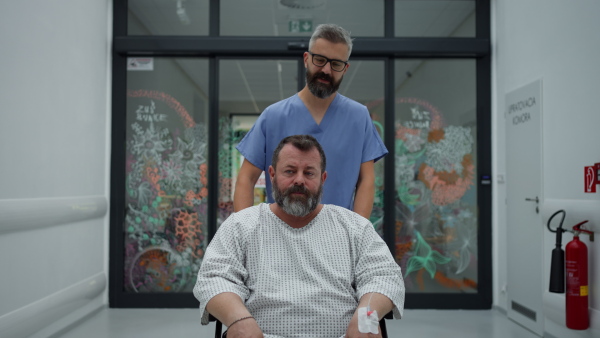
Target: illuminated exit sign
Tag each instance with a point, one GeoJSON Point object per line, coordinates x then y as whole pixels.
{"type": "Point", "coordinates": [300, 26]}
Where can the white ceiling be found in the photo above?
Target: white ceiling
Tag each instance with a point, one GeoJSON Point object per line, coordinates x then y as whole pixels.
{"type": "Point", "coordinates": [414, 18]}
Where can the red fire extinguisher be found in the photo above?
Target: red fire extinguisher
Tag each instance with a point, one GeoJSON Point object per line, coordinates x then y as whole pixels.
{"type": "Point", "coordinates": [577, 280]}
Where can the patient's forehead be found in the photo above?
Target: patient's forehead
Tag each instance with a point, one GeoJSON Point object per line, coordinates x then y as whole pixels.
{"type": "Point", "coordinates": [292, 156]}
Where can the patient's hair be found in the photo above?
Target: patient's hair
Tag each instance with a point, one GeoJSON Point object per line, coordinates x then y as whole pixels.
{"type": "Point", "coordinates": [303, 143]}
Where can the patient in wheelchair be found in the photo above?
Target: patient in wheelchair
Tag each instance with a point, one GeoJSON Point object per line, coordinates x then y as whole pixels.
{"type": "Point", "coordinates": [298, 268]}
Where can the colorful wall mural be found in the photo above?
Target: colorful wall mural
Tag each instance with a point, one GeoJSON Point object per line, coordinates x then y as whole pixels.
{"type": "Point", "coordinates": [436, 204]}
{"type": "Point", "coordinates": [166, 194]}
{"type": "Point", "coordinates": [167, 188]}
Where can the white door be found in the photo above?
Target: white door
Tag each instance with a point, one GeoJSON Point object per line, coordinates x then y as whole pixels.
{"type": "Point", "coordinates": [525, 280]}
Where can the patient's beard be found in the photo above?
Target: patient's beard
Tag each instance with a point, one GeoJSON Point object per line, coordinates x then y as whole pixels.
{"type": "Point", "coordinates": [297, 205]}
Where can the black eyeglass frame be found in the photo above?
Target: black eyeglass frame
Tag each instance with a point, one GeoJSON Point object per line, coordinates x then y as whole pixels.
{"type": "Point", "coordinates": [328, 60]}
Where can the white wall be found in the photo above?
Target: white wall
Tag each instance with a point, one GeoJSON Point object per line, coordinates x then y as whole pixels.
{"type": "Point", "coordinates": [557, 42]}
{"type": "Point", "coordinates": [54, 146]}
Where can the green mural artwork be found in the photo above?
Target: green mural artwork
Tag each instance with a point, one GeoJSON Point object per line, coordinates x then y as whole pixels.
{"type": "Point", "coordinates": [436, 204]}
{"type": "Point", "coordinates": [166, 194]}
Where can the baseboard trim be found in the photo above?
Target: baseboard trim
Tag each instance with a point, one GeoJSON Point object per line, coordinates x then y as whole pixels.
{"type": "Point", "coordinates": [555, 324]}
{"type": "Point", "coordinates": [60, 327]}
{"type": "Point", "coordinates": [500, 309]}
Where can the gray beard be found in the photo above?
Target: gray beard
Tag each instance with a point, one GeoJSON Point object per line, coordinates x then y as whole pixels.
{"type": "Point", "coordinates": [296, 207]}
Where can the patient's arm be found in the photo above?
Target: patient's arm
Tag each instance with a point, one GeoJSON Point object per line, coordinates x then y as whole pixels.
{"type": "Point", "coordinates": [379, 303]}
{"type": "Point", "coordinates": [228, 307]}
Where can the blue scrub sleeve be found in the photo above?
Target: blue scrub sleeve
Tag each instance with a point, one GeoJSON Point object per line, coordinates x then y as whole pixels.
{"type": "Point", "coordinates": [373, 147]}
{"type": "Point", "coordinates": [253, 145]}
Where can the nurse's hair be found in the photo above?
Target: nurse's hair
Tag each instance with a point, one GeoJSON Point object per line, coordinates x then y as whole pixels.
{"type": "Point", "coordinates": [303, 143]}
{"type": "Point", "coordinates": [332, 33]}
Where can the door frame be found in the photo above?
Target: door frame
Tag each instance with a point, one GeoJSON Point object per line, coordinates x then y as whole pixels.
{"type": "Point", "coordinates": [388, 48]}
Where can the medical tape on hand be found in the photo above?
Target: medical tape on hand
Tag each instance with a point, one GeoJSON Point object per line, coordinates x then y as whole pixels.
{"type": "Point", "coordinates": [368, 321]}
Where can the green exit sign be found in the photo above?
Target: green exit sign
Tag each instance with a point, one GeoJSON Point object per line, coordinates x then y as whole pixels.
{"type": "Point", "coordinates": [300, 26]}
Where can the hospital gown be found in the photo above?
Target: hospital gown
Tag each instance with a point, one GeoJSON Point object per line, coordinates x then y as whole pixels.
{"type": "Point", "coordinates": [302, 282]}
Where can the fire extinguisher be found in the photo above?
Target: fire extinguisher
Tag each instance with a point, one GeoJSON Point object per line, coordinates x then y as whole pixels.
{"type": "Point", "coordinates": [557, 266]}
{"type": "Point", "coordinates": [577, 280]}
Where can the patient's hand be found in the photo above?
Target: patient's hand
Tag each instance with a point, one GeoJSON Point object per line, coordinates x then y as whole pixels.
{"type": "Point", "coordinates": [352, 331]}
{"type": "Point", "coordinates": [247, 328]}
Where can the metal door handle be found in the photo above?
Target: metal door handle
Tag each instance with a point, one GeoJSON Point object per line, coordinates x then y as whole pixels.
{"type": "Point", "coordinates": [537, 202]}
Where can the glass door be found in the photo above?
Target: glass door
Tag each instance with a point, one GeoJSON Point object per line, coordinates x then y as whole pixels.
{"type": "Point", "coordinates": [191, 77]}
{"type": "Point", "coordinates": [166, 161]}
{"type": "Point", "coordinates": [437, 214]}
{"type": "Point", "coordinates": [246, 88]}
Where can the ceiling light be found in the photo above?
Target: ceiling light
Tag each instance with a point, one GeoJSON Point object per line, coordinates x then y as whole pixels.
{"type": "Point", "coordinates": [302, 4]}
{"type": "Point", "coordinates": [182, 14]}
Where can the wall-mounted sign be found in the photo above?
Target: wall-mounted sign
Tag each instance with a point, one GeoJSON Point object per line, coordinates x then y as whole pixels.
{"type": "Point", "coordinates": [524, 104]}
{"type": "Point", "coordinates": [300, 26]}
{"type": "Point", "coordinates": [140, 64]}
{"type": "Point", "coordinates": [589, 178]}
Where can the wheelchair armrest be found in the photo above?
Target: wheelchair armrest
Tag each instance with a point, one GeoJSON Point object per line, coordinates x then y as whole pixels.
{"type": "Point", "coordinates": [382, 326]}
{"type": "Point", "coordinates": [218, 327]}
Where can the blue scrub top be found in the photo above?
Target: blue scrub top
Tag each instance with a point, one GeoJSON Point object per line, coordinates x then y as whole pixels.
{"type": "Point", "coordinates": [346, 133]}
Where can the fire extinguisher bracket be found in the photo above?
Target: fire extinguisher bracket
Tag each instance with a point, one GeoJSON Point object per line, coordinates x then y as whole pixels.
{"type": "Point", "coordinates": [578, 230]}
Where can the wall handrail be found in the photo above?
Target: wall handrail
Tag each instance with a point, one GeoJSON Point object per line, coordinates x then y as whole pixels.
{"type": "Point", "coordinates": [36, 213]}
